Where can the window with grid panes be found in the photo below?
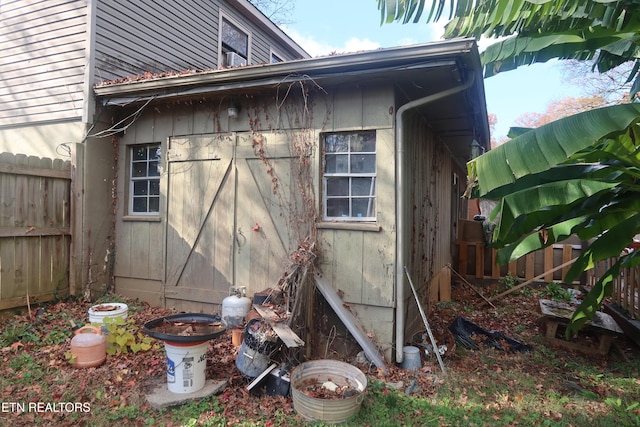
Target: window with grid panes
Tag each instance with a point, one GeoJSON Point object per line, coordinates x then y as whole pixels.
{"type": "Point", "coordinates": [144, 188]}
{"type": "Point", "coordinates": [349, 176]}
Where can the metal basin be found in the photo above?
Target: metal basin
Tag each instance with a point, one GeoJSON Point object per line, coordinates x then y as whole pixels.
{"type": "Point", "coordinates": [185, 328]}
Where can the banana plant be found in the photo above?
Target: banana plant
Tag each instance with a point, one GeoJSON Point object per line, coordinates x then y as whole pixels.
{"type": "Point", "coordinates": [576, 176]}
{"type": "Point", "coordinates": [530, 31]}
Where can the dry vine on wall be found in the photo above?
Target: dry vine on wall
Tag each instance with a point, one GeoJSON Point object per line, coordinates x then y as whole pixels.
{"type": "Point", "coordinates": [299, 207]}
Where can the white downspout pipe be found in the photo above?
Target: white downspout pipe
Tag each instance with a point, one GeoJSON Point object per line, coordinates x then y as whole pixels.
{"type": "Point", "coordinates": [401, 203]}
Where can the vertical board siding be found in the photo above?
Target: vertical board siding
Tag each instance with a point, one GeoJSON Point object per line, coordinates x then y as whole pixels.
{"type": "Point", "coordinates": [42, 59]}
{"type": "Point", "coordinates": [429, 226]}
{"type": "Point", "coordinates": [35, 229]}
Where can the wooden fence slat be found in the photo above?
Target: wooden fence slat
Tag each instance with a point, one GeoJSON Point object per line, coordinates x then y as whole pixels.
{"type": "Point", "coordinates": [513, 268]}
{"type": "Point", "coordinates": [548, 263]}
{"type": "Point", "coordinates": [462, 255]}
{"type": "Point", "coordinates": [523, 284]}
{"type": "Point", "coordinates": [495, 268]}
{"type": "Point", "coordinates": [35, 231]}
{"type": "Point", "coordinates": [479, 260]}
{"type": "Point", "coordinates": [530, 265]}
{"type": "Point", "coordinates": [567, 254]}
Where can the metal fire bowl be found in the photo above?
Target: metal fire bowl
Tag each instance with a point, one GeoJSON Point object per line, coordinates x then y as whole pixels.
{"type": "Point", "coordinates": [204, 319]}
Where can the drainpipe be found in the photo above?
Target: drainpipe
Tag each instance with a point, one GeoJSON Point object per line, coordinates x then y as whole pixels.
{"type": "Point", "coordinates": [401, 203]}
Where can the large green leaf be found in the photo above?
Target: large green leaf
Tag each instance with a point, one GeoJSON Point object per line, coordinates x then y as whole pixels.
{"type": "Point", "coordinates": [536, 30]}
{"type": "Point", "coordinates": [537, 241]}
{"type": "Point", "coordinates": [608, 245]}
{"type": "Point", "coordinates": [600, 290]}
{"type": "Point", "coordinates": [525, 210]}
{"type": "Point", "coordinates": [544, 147]}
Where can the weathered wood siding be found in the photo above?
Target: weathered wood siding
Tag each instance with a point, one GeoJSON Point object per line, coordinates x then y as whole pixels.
{"type": "Point", "coordinates": [345, 248]}
{"type": "Point", "coordinates": [135, 37]}
{"type": "Point", "coordinates": [35, 229]}
{"type": "Point", "coordinates": [431, 193]}
{"type": "Point", "coordinates": [360, 261]}
{"type": "Point", "coordinates": [42, 60]}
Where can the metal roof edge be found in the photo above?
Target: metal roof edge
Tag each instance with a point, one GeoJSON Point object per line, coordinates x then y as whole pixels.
{"type": "Point", "coordinates": [334, 64]}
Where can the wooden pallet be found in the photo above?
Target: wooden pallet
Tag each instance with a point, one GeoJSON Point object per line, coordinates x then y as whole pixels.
{"type": "Point", "coordinates": [604, 327]}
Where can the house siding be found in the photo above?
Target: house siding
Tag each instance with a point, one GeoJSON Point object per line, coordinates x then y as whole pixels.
{"type": "Point", "coordinates": [134, 38]}
{"type": "Point", "coordinates": [42, 60]}
{"type": "Point", "coordinates": [431, 194]}
{"type": "Point", "coordinates": [46, 71]}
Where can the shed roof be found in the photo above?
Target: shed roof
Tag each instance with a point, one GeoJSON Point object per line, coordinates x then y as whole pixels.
{"type": "Point", "coordinates": [417, 71]}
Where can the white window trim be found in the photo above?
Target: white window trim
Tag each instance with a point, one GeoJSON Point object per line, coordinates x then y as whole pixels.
{"type": "Point", "coordinates": [373, 175]}
{"type": "Point", "coordinates": [273, 53]}
{"type": "Point", "coordinates": [242, 28]}
{"type": "Point", "coordinates": [132, 180]}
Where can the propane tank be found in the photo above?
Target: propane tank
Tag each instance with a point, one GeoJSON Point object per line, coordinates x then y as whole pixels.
{"type": "Point", "coordinates": [235, 307]}
{"type": "Point", "coordinates": [88, 347]}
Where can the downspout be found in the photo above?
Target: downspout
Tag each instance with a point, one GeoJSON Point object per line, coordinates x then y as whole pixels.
{"type": "Point", "coordinates": [401, 202]}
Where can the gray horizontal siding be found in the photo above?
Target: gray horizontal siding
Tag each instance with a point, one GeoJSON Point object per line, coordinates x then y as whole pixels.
{"type": "Point", "coordinates": [261, 42]}
{"type": "Point", "coordinates": [42, 59]}
{"type": "Point", "coordinates": [150, 36]}
{"type": "Point", "coordinates": [133, 38]}
{"type": "Point", "coordinates": [43, 48]}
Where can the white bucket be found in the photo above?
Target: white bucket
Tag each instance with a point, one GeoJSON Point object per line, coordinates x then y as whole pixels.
{"type": "Point", "coordinates": [186, 365]}
{"type": "Point", "coordinates": [96, 315]}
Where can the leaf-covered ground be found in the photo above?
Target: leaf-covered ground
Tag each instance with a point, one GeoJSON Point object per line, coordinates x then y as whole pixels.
{"type": "Point", "coordinates": [546, 386]}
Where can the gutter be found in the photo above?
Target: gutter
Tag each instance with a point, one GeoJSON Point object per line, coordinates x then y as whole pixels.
{"type": "Point", "coordinates": [370, 61]}
{"type": "Point", "coordinates": [401, 203]}
{"type": "Point", "coordinates": [275, 81]}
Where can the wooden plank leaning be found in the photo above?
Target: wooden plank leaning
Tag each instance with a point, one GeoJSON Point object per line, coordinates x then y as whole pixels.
{"type": "Point", "coordinates": [466, 282]}
{"type": "Point", "coordinates": [540, 276]}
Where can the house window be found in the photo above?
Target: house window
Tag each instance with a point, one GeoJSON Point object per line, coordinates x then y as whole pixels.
{"type": "Point", "coordinates": [144, 187]}
{"type": "Point", "coordinates": [350, 176]}
{"type": "Point", "coordinates": [235, 44]}
{"type": "Point", "coordinates": [275, 58]}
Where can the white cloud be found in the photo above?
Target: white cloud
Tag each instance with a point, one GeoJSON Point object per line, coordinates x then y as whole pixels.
{"type": "Point", "coordinates": [355, 44]}
{"type": "Point", "coordinates": [317, 48]}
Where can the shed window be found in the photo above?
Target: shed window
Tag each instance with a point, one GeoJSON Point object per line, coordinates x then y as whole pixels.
{"type": "Point", "coordinates": [350, 176]}
{"type": "Point", "coordinates": [235, 44]}
{"type": "Point", "coordinates": [144, 186]}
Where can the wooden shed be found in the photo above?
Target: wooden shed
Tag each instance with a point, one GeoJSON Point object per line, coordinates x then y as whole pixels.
{"type": "Point", "coordinates": [222, 176]}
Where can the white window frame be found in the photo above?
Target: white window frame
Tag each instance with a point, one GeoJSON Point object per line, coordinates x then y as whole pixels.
{"type": "Point", "coordinates": [221, 54]}
{"type": "Point", "coordinates": [351, 215]}
{"type": "Point", "coordinates": [274, 54]}
{"type": "Point", "coordinates": [149, 176]}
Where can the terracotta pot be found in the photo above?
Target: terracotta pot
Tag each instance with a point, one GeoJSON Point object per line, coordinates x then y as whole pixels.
{"type": "Point", "coordinates": [237, 336]}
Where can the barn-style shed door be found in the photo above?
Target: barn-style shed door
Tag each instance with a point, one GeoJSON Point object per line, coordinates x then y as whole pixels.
{"type": "Point", "coordinates": [225, 225]}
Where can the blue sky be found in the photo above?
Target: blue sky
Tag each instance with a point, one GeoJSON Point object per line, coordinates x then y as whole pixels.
{"type": "Point", "coordinates": [326, 26]}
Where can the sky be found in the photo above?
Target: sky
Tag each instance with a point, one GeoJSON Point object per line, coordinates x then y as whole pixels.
{"type": "Point", "coordinates": [342, 26]}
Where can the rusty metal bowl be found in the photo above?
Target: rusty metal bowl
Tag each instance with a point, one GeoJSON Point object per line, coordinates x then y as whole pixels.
{"type": "Point", "coordinates": [185, 328]}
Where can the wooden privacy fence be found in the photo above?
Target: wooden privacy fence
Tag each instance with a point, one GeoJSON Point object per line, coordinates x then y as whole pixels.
{"type": "Point", "coordinates": [476, 260]}
{"type": "Point", "coordinates": [626, 287]}
{"type": "Point", "coordinates": [35, 229]}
